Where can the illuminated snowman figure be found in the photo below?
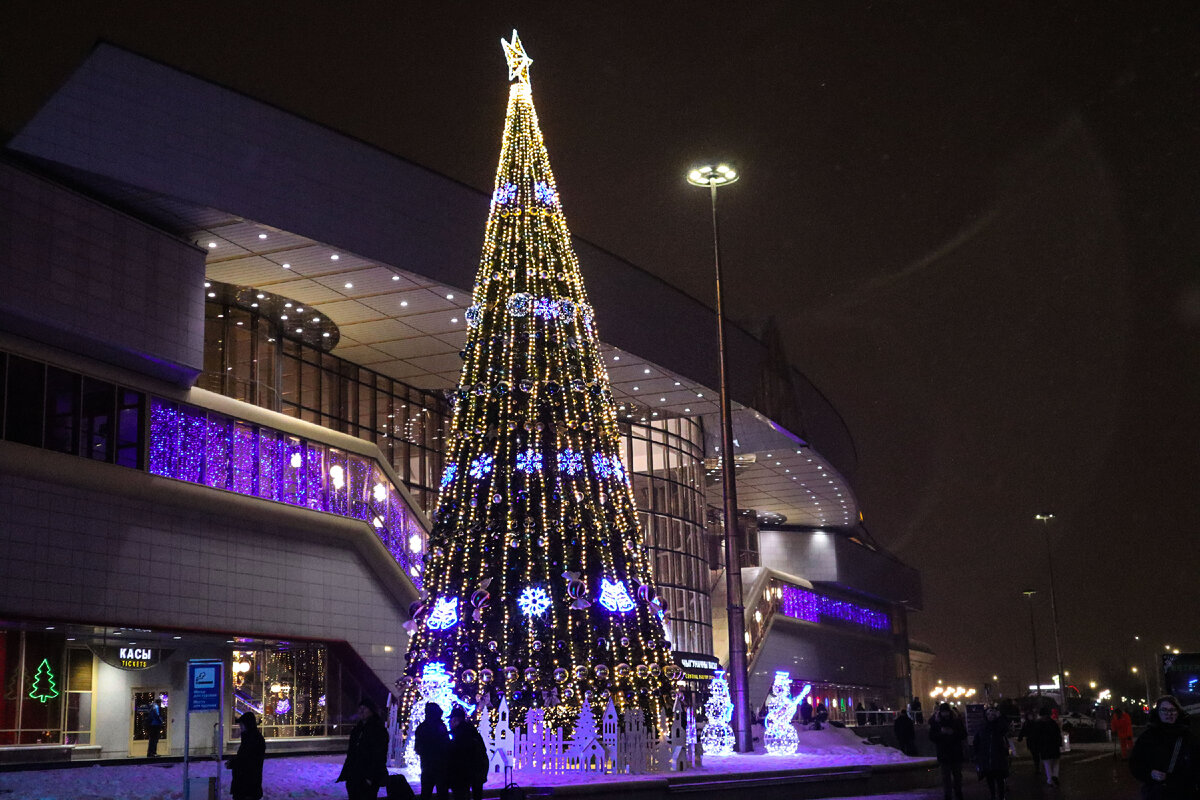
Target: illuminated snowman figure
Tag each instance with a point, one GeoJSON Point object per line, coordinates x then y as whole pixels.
{"type": "Point", "coordinates": [717, 737]}
{"type": "Point", "coordinates": [780, 736]}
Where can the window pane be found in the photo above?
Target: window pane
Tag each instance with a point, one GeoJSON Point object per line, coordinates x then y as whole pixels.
{"type": "Point", "coordinates": [26, 393]}
{"type": "Point", "coordinates": [129, 429]}
{"type": "Point", "coordinates": [62, 411]}
{"type": "Point", "coordinates": [96, 428]}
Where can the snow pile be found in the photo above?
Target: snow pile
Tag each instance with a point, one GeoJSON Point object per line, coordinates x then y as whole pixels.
{"type": "Point", "coordinates": [312, 777]}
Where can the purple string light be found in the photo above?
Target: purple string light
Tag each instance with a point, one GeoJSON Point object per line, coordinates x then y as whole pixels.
{"type": "Point", "coordinates": [799, 603]}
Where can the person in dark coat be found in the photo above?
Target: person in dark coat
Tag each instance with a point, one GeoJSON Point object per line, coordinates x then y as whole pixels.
{"type": "Point", "coordinates": [991, 752]}
{"type": "Point", "coordinates": [154, 726]}
{"type": "Point", "coordinates": [1023, 736]}
{"type": "Point", "coordinates": [365, 769]}
{"type": "Point", "coordinates": [947, 732]}
{"type": "Point", "coordinates": [467, 760]}
{"type": "Point", "coordinates": [432, 743]}
{"type": "Point", "coordinates": [860, 714]}
{"type": "Point", "coordinates": [1045, 742]}
{"type": "Point", "coordinates": [806, 713]}
{"type": "Point", "coordinates": [906, 733]}
{"type": "Point", "coordinates": [247, 763]}
{"type": "Point", "coordinates": [1166, 757]}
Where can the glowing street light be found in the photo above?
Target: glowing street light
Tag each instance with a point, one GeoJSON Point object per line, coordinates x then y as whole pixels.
{"type": "Point", "coordinates": [712, 176]}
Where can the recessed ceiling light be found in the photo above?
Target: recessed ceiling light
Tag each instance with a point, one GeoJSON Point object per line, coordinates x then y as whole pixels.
{"type": "Point", "coordinates": [316, 319]}
{"type": "Point", "coordinates": [262, 236]}
{"type": "Point", "coordinates": [687, 411]}
{"type": "Point", "coordinates": [676, 383]}
{"type": "Point", "coordinates": [178, 637]}
{"type": "Point", "coordinates": [299, 310]}
{"type": "Point", "coordinates": [450, 297]}
{"type": "Point", "coordinates": [299, 330]}
{"type": "Point", "coordinates": [616, 358]}
{"type": "Point", "coordinates": [212, 244]}
{"type": "Point", "coordinates": [287, 305]}
{"type": "Point", "coordinates": [635, 388]}
{"type": "Point", "coordinates": [287, 266]}
{"type": "Point", "coordinates": [326, 334]}
{"type": "Point", "coordinates": [662, 399]}
{"type": "Point", "coordinates": [334, 257]}
{"type": "Point", "coordinates": [404, 304]}
{"type": "Point", "coordinates": [261, 296]}
{"type": "Point", "coordinates": [212, 294]}
{"type": "Point", "coordinates": [207, 284]}
{"type": "Point", "coordinates": [454, 320]}
{"type": "Point", "coordinates": [283, 316]}
{"type": "Point", "coordinates": [349, 285]}
{"type": "Point", "coordinates": [699, 394]}
{"type": "Point", "coordinates": [395, 277]}
{"type": "Point", "coordinates": [254, 305]}
{"type": "Point", "coordinates": [647, 371]}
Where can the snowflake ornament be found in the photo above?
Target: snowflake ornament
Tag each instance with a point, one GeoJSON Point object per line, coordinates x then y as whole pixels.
{"type": "Point", "coordinates": [570, 462]}
{"type": "Point", "coordinates": [533, 601]}
{"type": "Point", "coordinates": [482, 466]}
{"type": "Point", "coordinates": [529, 461]}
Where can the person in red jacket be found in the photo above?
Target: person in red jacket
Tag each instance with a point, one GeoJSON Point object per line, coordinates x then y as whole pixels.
{"type": "Point", "coordinates": [1122, 730]}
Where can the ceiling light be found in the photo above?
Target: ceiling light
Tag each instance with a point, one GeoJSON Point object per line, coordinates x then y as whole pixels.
{"type": "Point", "coordinates": [647, 371]}
{"type": "Point", "coordinates": [283, 316]}
{"type": "Point", "coordinates": [349, 285]}
{"type": "Point", "coordinates": [454, 320]}
{"type": "Point", "coordinates": [699, 394]}
{"type": "Point", "coordinates": [287, 305]}
{"type": "Point", "coordinates": [212, 294]}
{"type": "Point", "coordinates": [395, 277]}
{"type": "Point", "coordinates": [616, 358]}
{"type": "Point", "coordinates": [261, 296]}
{"type": "Point", "coordinates": [687, 411]}
{"type": "Point", "coordinates": [316, 319]}
{"type": "Point", "coordinates": [404, 304]}
{"type": "Point", "coordinates": [212, 244]}
{"type": "Point", "coordinates": [676, 383]}
{"type": "Point", "coordinates": [299, 310]}
{"type": "Point", "coordinates": [299, 330]}
{"type": "Point", "coordinates": [326, 334]}
{"type": "Point", "coordinates": [635, 388]}
{"type": "Point", "coordinates": [334, 257]}
{"type": "Point", "coordinates": [287, 266]}
{"type": "Point", "coordinates": [254, 305]}
{"type": "Point", "coordinates": [262, 236]}
{"type": "Point", "coordinates": [449, 297]}
{"type": "Point", "coordinates": [662, 399]}
{"type": "Point", "coordinates": [207, 284]}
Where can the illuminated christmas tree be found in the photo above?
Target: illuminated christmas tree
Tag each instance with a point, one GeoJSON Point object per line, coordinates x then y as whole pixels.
{"type": "Point", "coordinates": [539, 582]}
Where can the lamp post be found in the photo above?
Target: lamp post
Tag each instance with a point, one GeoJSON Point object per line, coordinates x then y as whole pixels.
{"type": "Point", "coordinates": [1062, 678]}
{"type": "Point", "coordinates": [1037, 680]}
{"type": "Point", "coordinates": [712, 176]}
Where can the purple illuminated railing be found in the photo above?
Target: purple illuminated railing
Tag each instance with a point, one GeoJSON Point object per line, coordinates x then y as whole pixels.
{"type": "Point", "coordinates": [802, 604]}
{"type": "Point", "coordinates": [199, 446]}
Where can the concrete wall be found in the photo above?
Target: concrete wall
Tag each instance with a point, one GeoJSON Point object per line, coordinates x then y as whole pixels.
{"type": "Point", "coordinates": [823, 557]}
{"type": "Point", "coordinates": [91, 542]}
{"type": "Point", "coordinates": [88, 279]}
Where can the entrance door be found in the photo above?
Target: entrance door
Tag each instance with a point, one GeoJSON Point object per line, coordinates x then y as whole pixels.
{"type": "Point", "coordinates": [140, 728]}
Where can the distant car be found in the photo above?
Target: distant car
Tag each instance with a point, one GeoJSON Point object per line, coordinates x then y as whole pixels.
{"type": "Point", "coordinates": [1080, 721]}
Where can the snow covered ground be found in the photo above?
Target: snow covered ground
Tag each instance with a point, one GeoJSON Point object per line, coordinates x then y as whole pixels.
{"type": "Point", "coordinates": [313, 776]}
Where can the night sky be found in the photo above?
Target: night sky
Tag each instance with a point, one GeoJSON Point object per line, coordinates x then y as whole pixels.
{"type": "Point", "coordinates": [975, 229]}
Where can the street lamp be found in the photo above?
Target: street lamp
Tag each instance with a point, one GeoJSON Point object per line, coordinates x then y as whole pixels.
{"type": "Point", "coordinates": [1062, 678]}
{"type": "Point", "coordinates": [712, 176]}
{"type": "Point", "coordinates": [1033, 635]}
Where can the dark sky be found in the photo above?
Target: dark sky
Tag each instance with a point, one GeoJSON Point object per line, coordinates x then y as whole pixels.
{"type": "Point", "coordinates": [975, 225]}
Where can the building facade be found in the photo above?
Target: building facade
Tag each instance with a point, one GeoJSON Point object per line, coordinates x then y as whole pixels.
{"type": "Point", "coordinates": [225, 342]}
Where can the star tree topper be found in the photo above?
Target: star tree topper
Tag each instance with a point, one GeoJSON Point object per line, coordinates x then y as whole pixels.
{"type": "Point", "coordinates": [518, 62]}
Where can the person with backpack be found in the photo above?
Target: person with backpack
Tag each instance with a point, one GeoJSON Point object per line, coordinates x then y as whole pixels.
{"type": "Point", "coordinates": [1166, 757]}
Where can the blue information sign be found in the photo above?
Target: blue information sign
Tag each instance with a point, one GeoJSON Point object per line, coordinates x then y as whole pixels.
{"type": "Point", "coordinates": [204, 685]}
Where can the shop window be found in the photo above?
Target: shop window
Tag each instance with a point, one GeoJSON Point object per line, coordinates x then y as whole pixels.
{"type": "Point", "coordinates": [78, 728]}
{"type": "Point", "coordinates": [285, 688]}
{"type": "Point", "coordinates": [42, 689]}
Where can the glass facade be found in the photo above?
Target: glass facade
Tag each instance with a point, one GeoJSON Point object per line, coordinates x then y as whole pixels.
{"type": "Point", "coordinates": [666, 457]}
{"type": "Point", "coordinates": [47, 697]}
{"type": "Point", "coordinates": [286, 687]}
{"type": "Point", "coordinates": [251, 358]}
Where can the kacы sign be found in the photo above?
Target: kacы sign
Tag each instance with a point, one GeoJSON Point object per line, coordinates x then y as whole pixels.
{"type": "Point", "coordinates": [131, 657]}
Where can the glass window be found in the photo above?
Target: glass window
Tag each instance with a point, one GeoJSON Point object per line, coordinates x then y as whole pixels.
{"type": "Point", "coordinates": [62, 411]}
{"type": "Point", "coordinates": [42, 689]}
{"type": "Point", "coordinates": [131, 412]}
{"type": "Point", "coordinates": [98, 405]}
{"type": "Point", "coordinates": [25, 401]}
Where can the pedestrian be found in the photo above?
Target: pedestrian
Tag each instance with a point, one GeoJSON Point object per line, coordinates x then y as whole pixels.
{"type": "Point", "coordinates": [247, 763]}
{"type": "Point", "coordinates": [906, 733]}
{"type": "Point", "coordinates": [806, 712]}
{"type": "Point", "coordinates": [991, 752]}
{"type": "Point", "coordinates": [860, 714]}
{"type": "Point", "coordinates": [432, 743]}
{"type": "Point", "coordinates": [1023, 735]}
{"type": "Point", "coordinates": [1045, 739]}
{"type": "Point", "coordinates": [1166, 757]}
{"type": "Point", "coordinates": [154, 725]}
{"type": "Point", "coordinates": [914, 710]}
{"type": "Point", "coordinates": [947, 732]}
{"type": "Point", "coordinates": [1122, 731]}
{"type": "Point", "coordinates": [467, 762]}
{"type": "Point", "coordinates": [365, 768]}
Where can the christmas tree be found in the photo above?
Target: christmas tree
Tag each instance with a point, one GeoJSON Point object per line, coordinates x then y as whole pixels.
{"type": "Point", "coordinates": [539, 583]}
{"type": "Point", "coordinates": [48, 690]}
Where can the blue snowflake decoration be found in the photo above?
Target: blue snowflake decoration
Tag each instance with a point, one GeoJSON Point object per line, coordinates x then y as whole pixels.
{"type": "Point", "coordinates": [519, 304]}
{"type": "Point", "coordinates": [504, 194]}
{"type": "Point", "coordinates": [566, 309]}
{"type": "Point", "coordinates": [618, 468]}
{"type": "Point", "coordinates": [482, 466]}
{"type": "Point", "coordinates": [444, 614]}
{"type": "Point", "coordinates": [601, 465]}
{"type": "Point", "coordinates": [545, 194]}
{"type": "Point", "coordinates": [570, 462]}
{"type": "Point", "coordinates": [474, 316]}
{"type": "Point", "coordinates": [615, 597]}
{"type": "Point", "coordinates": [533, 601]}
{"type": "Point", "coordinates": [449, 474]}
{"type": "Point", "coordinates": [529, 461]}
{"type": "Point", "coordinates": [545, 307]}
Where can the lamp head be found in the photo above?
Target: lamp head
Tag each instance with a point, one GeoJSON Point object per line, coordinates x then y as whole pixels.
{"type": "Point", "coordinates": [712, 175]}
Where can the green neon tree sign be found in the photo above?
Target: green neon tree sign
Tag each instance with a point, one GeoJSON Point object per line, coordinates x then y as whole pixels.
{"type": "Point", "coordinates": [47, 692]}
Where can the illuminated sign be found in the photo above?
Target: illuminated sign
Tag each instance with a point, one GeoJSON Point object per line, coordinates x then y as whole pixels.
{"type": "Point", "coordinates": [697, 666]}
{"type": "Point", "coordinates": [131, 657]}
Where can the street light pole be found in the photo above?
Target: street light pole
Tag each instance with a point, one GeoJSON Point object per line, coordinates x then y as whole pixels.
{"type": "Point", "coordinates": [1037, 679]}
{"type": "Point", "coordinates": [713, 176]}
{"type": "Point", "coordinates": [1062, 678]}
